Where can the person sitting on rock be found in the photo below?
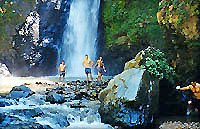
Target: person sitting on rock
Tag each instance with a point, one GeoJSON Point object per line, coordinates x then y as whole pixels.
{"type": "Point", "coordinates": [100, 68]}
{"type": "Point", "coordinates": [61, 70]}
{"type": "Point", "coordinates": [195, 88]}
{"type": "Point", "coordinates": [87, 64]}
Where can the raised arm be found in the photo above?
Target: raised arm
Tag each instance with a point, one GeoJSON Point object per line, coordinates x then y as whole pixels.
{"type": "Point", "coordinates": [83, 62]}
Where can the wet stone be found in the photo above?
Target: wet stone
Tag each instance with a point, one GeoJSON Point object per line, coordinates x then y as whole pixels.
{"type": "Point", "coordinates": [4, 102]}
{"type": "Point", "coordinates": [55, 98]}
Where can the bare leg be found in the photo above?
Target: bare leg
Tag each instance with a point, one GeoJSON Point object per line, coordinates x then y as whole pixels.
{"type": "Point", "coordinates": [91, 77]}
{"type": "Point", "coordinates": [62, 79]}
{"type": "Point", "coordinates": [59, 78]}
{"type": "Point", "coordinates": [87, 79]}
{"type": "Point", "coordinates": [99, 76]}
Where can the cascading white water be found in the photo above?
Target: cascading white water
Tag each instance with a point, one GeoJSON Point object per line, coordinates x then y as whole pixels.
{"type": "Point", "coordinates": [80, 35]}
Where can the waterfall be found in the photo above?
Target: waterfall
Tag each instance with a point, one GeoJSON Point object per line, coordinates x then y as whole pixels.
{"type": "Point", "coordinates": [80, 35]}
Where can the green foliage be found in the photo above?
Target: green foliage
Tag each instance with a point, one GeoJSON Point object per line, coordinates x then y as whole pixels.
{"type": "Point", "coordinates": [135, 19]}
{"type": "Point", "coordinates": [156, 64]}
{"type": "Point", "coordinates": [181, 16]}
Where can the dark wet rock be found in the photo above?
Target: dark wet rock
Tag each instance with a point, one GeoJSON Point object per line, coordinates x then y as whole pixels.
{"type": "Point", "coordinates": [55, 98]}
{"type": "Point", "coordinates": [2, 117]}
{"type": "Point", "coordinates": [61, 120]}
{"type": "Point", "coordinates": [4, 102]}
{"type": "Point", "coordinates": [60, 92]}
{"type": "Point", "coordinates": [77, 105]}
{"type": "Point", "coordinates": [28, 113]}
{"type": "Point", "coordinates": [6, 119]}
{"type": "Point", "coordinates": [20, 92]}
{"type": "Point", "coordinates": [38, 83]}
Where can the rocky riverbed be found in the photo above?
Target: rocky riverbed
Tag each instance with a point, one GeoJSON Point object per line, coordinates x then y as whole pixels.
{"type": "Point", "coordinates": [70, 104]}
{"type": "Point", "coordinates": [180, 125]}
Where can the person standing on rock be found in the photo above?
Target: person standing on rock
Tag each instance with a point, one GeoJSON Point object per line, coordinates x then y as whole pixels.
{"type": "Point", "coordinates": [100, 68]}
{"type": "Point", "coordinates": [62, 70]}
{"type": "Point", "coordinates": [87, 64]}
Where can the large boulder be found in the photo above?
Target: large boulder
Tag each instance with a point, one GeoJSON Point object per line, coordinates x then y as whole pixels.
{"type": "Point", "coordinates": [131, 97]}
{"type": "Point", "coordinates": [21, 91]}
{"type": "Point", "coordinates": [4, 72]}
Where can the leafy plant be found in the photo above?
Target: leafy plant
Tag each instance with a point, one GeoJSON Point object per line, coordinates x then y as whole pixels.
{"type": "Point", "coordinates": [156, 64]}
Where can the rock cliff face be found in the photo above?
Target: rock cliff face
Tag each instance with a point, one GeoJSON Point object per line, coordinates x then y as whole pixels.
{"type": "Point", "coordinates": [35, 44]}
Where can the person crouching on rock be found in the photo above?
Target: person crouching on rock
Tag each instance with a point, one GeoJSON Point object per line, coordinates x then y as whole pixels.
{"type": "Point", "coordinates": [62, 70]}
{"type": "Point", "coordinates": [100, 68]}
{"type": "Point", "coordinates": [87, 64]}
{"type": "Point", "coordinates": [195, 88]}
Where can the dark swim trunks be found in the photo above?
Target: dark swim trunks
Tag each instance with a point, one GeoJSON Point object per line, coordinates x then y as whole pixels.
{"type": "Point", "coordinates": [62, 74]}
{"type": "Point", "coordinates": [100, 69]}
{"type": "Point", "coordinates": [87, 70]}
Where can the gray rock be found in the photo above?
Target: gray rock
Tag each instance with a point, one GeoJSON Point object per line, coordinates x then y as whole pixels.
{"type": "Point", "coordinates": [28, 113]}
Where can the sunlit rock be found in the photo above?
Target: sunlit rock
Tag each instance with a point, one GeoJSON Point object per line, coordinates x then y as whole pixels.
{"type": "Point", "coordinates": [4, 72]}
{"type": "Point", "coordinates": [134, 63]}
{"type": "Point", "coordinates": [124, 85]}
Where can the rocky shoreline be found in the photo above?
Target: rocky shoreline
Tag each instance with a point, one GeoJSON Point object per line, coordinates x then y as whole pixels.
{"type": "Point", "coordinates": [72, 104]}
{"type": "Point", "coordinates": [61, 105]}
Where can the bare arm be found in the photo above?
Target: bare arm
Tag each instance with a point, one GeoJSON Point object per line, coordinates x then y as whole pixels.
{"type": "Point", "coordinates": [59, 70]}
{"type": "Point", "coordinates": [185, 88]}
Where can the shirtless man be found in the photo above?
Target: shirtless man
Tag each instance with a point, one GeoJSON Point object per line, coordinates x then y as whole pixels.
{"type": "Point", "coordinates": [61, 70]}
{"type": "Point", "coordinates": [100, 68]}
{"type": "Point", "coordinates": [195, 88]}
{"type": "Point", "coordinates": [87, 64]}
